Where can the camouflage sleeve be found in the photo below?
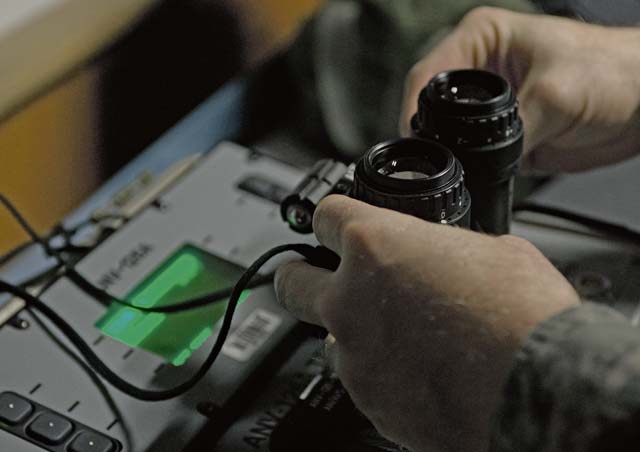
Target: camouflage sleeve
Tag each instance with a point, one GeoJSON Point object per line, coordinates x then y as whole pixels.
{"type": "Point", "coordinates": [575, 386]}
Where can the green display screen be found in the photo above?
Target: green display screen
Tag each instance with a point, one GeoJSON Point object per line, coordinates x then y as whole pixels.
{"type": "Point", "coordinates": [188, 273]}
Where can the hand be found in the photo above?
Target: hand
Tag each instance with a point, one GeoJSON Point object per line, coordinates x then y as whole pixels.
{"type": "Point", "coordinates": [577, 83]}
{"type": "Point", "coordinates": [426, 318]}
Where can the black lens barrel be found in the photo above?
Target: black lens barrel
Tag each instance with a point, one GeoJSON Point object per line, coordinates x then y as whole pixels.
{"type": "Point", "coordinates": [434, 191]}
{"type": "Point", "coordinates": [467, 146]}
{"type": "Point", "coordinates": [475, 114]}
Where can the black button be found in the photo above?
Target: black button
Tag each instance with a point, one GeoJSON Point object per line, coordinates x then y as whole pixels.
{"type": "Point", "coordinates": [14, 409]}
{"type": "Point", "coordinates": [91, 442]}
{"type": "Point", "coordinates": [50, 428]}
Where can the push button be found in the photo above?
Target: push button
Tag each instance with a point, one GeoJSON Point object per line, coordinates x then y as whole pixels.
{"type": "Point", "coordinates": [14, 409]}
{"type": "Point", "coordinates": [91, 442]}
{"type": "Point", "coordinates": [50, 428]}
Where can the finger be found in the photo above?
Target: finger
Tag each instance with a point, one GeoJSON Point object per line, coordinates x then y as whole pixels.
{"type": "Point", "coordinates": [557, 137]}
{"type": "Point", "coordinates": [332, 216]}
{"type": "Point", "coordinates": [529, 166]}
{"type": "Point", "coordinates": [548, 159]}
{"type": "Point", "coordinates": [447, 55]}
{"type": "Point", "coordinates": [300, 288]}
{"type": "Point", "coordinates": [531, 113]}
{"type": "Point", "coordinates": [470, 45]}
{"type": "Point", "coordinates": [541, 118]}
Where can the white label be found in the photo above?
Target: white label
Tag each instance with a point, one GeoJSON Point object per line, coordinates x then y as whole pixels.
{"type": "Point", "coordinates": [252, 333]}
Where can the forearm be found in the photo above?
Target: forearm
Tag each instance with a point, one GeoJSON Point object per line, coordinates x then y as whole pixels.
{"type": "Point", "coordinates": [575, 386]}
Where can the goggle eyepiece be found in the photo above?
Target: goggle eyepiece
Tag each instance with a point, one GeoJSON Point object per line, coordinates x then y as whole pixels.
{"type": "Point", "coordinates": [471, 87]}
{"type": "Point", "coordinates": [475, 114]}
{"type": "Point", "coordinates": [404, 163]}
{"type": "Point", "coordinates": [414, 176]}
{"type": "Point", "coordinates": [468, 108]}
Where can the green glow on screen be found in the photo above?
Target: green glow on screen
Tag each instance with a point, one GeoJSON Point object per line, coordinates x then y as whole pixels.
{"type": "Point", "coordinates": [190, 272]}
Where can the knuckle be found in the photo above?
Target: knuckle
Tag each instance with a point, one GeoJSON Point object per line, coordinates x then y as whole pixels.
{"type": "Point", "coordinates": [326, 205]}
{"type": "Point", "coordinates": [490, 25]}
{"type": "Point", "coordinates": [328, 209]}
{"type": "Point", "coordinates": [322, 210]}
{"type": "Point", "coordinates": [480, 15]}
{"type": "Point", "coordinates": [519, 243]}
{"type": "Point", "coordinates": [358, 236]}
{"type": "Point", "coordinates": [548, 90]}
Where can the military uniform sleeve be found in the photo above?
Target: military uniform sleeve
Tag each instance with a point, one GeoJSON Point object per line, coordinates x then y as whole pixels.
{"type": "Point", "coordinates": [574, 387]}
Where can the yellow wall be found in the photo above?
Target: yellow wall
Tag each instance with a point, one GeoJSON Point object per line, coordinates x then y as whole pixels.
{"type": "Point", "coordinates": [270, 24]}
{"type": "Point", "coordinates": [48, 161]}
{"type": "Point", "coordinates": [47, 155]}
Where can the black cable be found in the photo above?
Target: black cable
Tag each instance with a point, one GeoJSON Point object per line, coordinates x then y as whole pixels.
{"type": "Point", "coordinates": [70, 231]}
{"type": "Point", "coordinates": [95, 379]}
{"type": "Point", "coordinates": [320, 256]}
{"type": "Point", "coordinates": [44, 277]}
{"type": "Point", "coordinates": [66, 248]}
{"type": "Point", "coordinates": [6, 257]}
{"type": "Point", "coordinates": [77, 359]}
{"type": "Point", "coordinates": [208, 299]}
{"type": "Point", "coordinates": [58, 229]}
{"type": "Point", "coordinates": [106, 298]}
{"type": "Point", "coordinates": [28, 229]}
{"type": "Point", "coordinates": [603, 226]}
{"type": "Point", "coordinates": [315, 255]}
{"type": "Point", "coordinates": [96, 292]}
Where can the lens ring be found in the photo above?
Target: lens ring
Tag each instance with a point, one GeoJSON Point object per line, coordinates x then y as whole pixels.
{"type": "Point", "coordinates": [463, 87]}
{"type": "Point", "coordinates": [469, 91]}
{"type": "Point", "coordinates": [483, 112]}
{"type": "Point", "coordinates": [434, 165]}
{"type": "Point", "coordinates": [438, 194]}
{"type": "Point", "coordinates": [408, 167]}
